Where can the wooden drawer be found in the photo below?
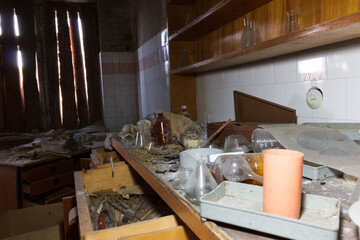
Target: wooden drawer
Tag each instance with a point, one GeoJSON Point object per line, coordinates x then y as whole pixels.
{"type": "Point", "coordinates": [48, 184]}
{"type": "Point", "coordinates": [101, 179]}
{"type": "Point", "coordinates": [46, 171]}
{"type": "Point", "coordinates": [95, 162]}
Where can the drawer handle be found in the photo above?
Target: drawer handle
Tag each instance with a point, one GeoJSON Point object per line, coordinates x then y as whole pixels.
{"type": "Point", "coordinates": [56, 181]}
{"type": "Point", "coordinates": [53, 169]}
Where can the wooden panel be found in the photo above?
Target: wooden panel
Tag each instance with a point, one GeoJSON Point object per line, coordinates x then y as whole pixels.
{"type": "Point", "coordinates": [91, 44]}
{"type": "Point", "coordinates": [2, 92]}
{"type": "Point", "coordinates": [27, 47]}
{"type": "Point", "coordinates": [14, 112]}
{"type": "Point", "coordinates": [50, 83]}
{"type": "Point", "coordinates": [71, 226]}
{"type": "Point", "coordinates": [344, 28]}
{"type": "Point", "coordinates": [176, 49]}
{"type": "Point", "coordinates": [8, 189]}
{"type": "Point", "coordinates": [148, 226]}
{"type": "Point", "coordinates": [183, 208]}
{"type": "Point", "coordinates": [223, 12]}
{"type": "Point", "coordinates": [49, 184]}
{"type": "Point", "coordinates": [176, 17]}
{"type": "Point", "coordinates": [83, 210]}
{"type": "Point", "coordinates": [249, 108]}
{"type": "Point", "coordinates": [66, 70]}
{"type": "Point", "coordinates": [98, 179]}
{"type": "Point", "coordinates": [82, 107]}
{"type": "Point", "coordinates": [175, 233]}
{"type": "Point", "coordinates": [48, 170]}
{"type": "Point", "coordinates": [271, 20]}
{"type": "Point", "coordinates": [95, 162]}
{"type": "Point", "coordinates": [183, 92]}
{"type": "Point", "coordinates": [219, 49]}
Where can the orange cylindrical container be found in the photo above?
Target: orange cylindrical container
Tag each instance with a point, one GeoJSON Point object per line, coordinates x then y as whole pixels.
{"type": "Point", "coordinates": [282, 184]}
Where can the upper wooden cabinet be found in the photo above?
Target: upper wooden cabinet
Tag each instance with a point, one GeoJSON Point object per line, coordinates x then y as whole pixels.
{"type": "Point", "coordinates": [220, 14]}
{"type": "Point", "coordinates": [210, 31]}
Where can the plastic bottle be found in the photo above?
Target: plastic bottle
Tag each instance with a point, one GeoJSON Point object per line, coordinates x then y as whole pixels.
{"type": "Point", "coordinates": [162, 129]}
{"type": "Point", "coordinates": [184, 111]}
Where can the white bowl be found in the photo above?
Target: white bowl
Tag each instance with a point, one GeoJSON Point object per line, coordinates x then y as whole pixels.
{"type": "Point", "coordinates": [188, 158]}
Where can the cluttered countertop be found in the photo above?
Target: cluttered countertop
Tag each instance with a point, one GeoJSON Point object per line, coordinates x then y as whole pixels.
{"type": "Point", "coordinates": [51, 145]}
{"type": "Point", "coordinates": [162, 164]}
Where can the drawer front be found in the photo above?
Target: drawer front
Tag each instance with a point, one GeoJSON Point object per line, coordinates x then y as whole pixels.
{"type": "Point", "coordinates": [49, 184]}
{"type": "Point", "coordinates": [47, 171]}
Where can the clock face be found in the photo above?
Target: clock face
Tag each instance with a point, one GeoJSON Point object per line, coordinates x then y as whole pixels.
{"type": "Point", "coordinates": [314, 97]}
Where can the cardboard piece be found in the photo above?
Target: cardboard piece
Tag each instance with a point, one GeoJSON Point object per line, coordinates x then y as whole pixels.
{"type": "Point", "coordinates": [21, 221]}
{"type": "Point", "coordinates": [52, 233]}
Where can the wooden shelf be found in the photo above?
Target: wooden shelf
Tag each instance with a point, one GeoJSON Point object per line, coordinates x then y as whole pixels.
{"type": "Point", "coordinates": [340, 29]}
{"type": "Point", "coordinates": [223, 12]}
{"type": "Point", "coordinates": [184, 209]}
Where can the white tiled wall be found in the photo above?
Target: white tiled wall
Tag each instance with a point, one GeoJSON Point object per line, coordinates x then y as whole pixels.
{"type": "Point", "coordinates": [119, 92]}
{"type": "Point", "coordinates": [154, 91]}
{"type": "Point", "coordinates": [335, 69]}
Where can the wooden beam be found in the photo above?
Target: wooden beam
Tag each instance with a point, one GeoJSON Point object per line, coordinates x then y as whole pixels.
{"type": "Point", "coordinates": [66, 70]}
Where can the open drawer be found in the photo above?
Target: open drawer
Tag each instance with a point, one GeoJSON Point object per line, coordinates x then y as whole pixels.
{"type": "Point", "coordinates": [167, 227]}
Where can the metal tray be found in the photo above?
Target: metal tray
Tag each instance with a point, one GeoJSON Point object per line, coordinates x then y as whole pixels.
{"type": "Point", "coordinates": [241, 205]}
{"type": "Point", "coordinates": [317, 172]}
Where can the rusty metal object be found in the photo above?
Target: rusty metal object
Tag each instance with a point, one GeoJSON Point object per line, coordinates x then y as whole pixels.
{"type": "Point", "coordinates": [111, 209]}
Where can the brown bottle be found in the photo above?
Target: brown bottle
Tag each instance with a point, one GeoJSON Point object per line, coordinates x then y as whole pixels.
{"type": "Point", "coordinates": [162, 129]}
{"type": "Point", "coordinates": [184, 111]}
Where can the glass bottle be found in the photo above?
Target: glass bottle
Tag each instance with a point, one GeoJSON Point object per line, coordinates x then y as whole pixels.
{"type": "Point", "coordinates": [256, 34]}
{"type": "Point", "coordinates": [287, 24]}
{"type": "Point", "coordinates": [181, 178]}
{"type": "Point", "coordinates": [244, 42]}
{"type": "Point", "coordinates": [184, 58]}
{"type": "Point", "coordinates": [200, 182]}
{"type": "Point", "coordinates": [162, 129]}
{"type": "Point", "coordinates": [294, 22]}
{"type": "Point", "coordinates": [184, 111]}
{"type": "Point", "coordinates": [262, 139]}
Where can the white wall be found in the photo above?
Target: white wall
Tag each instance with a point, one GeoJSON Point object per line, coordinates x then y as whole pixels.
{"type": "Point", "coordinates": [135, 84]}
{"type": "Point", "coordinates": [335, 69]}
{"type": "Point", "coordinates": [153, 77]}
{"type": "Point", "coordinates": [119, 85]}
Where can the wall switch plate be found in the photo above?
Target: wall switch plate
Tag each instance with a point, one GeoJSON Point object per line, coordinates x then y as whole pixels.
{"type": "Point", "coordinates": [314, 97]}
